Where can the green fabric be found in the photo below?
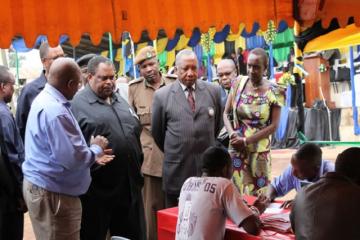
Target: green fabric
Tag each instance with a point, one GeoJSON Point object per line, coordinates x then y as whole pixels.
{"type": "Point", "coordinates": [303, 139]}
{"type": "Point", "coordinates": [162, 59]}
{"type": "Point", "coordinates": [282, 44]}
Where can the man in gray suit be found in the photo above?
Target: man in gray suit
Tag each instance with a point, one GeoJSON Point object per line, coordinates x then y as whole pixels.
{"type": "Point", "coordinates": [186, 119]}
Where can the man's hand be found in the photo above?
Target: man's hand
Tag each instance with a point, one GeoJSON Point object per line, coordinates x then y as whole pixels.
{"type": "Point", "coordinates": [264, 198]}
{"type": "Point", "coordinates": [261, 203]}
{"type": "Point", "coordinates": [287, 204]}
{"type": "Point", "coordinates": [100, 141]}
{"type": "Point", "coordinates": [107, 157]}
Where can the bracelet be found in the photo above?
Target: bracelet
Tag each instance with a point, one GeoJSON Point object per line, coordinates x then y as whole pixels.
{"type": "Point", "coordinates": [255, 210]}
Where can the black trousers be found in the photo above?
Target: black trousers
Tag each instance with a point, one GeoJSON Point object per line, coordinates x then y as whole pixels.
{"type": "Point", "coordinates": [11, 225]}
{"type": "Point", "coordinates": [171, 200]}
{"type": "Point", "coordinates": [119, 215]}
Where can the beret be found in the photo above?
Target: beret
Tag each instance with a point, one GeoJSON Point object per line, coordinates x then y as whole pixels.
{"type": "Point", "coordinates": [145, 53]}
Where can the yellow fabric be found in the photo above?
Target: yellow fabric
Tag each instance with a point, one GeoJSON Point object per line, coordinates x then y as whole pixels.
{"type": "Point", "coordinates": [219, 52]}
{"type": "Point", "coordinates": [118, 56]}
{"type": "Point", "coordinates": [104, 53]}
{"type": "Point", "coordinates": [240, 42]}
{"type": "Point", "coordinates": [340, 38]}
{"type": "Point", "coordinates": [121, 67]}
{"type": "Point", "coordinates": [170, 58]}
{"type": "Point", "coordinates": [161, 44]}
{"type": "Point", "coordinates": [182, 43]}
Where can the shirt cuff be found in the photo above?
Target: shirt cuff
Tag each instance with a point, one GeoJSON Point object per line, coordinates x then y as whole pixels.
{"type": "Point", "coordinates": [96, 149]}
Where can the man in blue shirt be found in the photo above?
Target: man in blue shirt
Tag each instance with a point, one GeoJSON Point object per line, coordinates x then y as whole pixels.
{"type": "Point", "coordinates": [12, 207]}
{"type": "Point", "coordinates": [57, 158]}
{"type": "Point", "coordinates": [31, 90]}
{"type": "Point", "coordinates": [306, 167]}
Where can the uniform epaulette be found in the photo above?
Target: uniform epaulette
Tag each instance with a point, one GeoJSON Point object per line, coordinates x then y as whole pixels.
{"type": "Point", "coordinates": [140, 79]}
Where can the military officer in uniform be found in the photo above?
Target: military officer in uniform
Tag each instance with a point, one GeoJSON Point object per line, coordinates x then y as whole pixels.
{"type": "Point", "coordinates": [141, 93]}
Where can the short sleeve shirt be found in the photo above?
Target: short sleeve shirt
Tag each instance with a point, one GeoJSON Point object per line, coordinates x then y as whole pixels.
{"type": "Point", "coordinates": [204, 205]}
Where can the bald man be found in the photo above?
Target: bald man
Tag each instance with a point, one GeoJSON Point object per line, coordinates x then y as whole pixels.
{"type": "Point", "coordinates": [226, 71]}
{"type": "Point", "coordinates": [57, 159]}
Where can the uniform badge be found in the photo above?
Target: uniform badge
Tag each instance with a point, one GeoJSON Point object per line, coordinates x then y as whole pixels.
{"type": "Point", "coordinates": [211, 111]}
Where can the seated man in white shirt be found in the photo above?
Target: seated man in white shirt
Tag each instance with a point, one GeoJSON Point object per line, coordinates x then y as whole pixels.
{"type": "Point", "coordinates": [205, 202]}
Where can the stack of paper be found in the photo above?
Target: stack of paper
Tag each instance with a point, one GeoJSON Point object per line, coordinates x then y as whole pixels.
{"type": "Point", "coordinates": [277, 222]}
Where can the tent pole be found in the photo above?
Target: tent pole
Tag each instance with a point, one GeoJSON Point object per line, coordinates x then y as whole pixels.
{"type": "Point", "coordinates": [111, 48]}
{"type": "Point", "coordinates": [353, 93]}
{"type": "Point", "coordinates": [17, 68]}
{"type": "Point", "coordinates": [133, 56]}
{"type": "Point", "coordinates": [271, 61]}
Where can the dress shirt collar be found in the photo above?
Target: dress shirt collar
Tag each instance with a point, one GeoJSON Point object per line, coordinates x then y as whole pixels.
{"type": "Point", "coordinates": [57, 94]}
{"type": "Point", "coordinates": [184, 88]}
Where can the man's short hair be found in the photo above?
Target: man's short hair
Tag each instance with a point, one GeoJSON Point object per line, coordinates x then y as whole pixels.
{"type": "Point", "coordinates": [95, 62]}
{"type": "Point", "coordinates": [262, 53]}
{"type": "Point", "coordinates": [181, 54]}
{"type": "Point", "coordinates": [348, 164]}
{"type": "Point", "coordinates": [44, 49]}
{"type": "Point", "coordinates": [215, 159]}
{"type": "Point", "coordinates": [4, 74]}
{"type": "Point", "coordinates": [309, 152]}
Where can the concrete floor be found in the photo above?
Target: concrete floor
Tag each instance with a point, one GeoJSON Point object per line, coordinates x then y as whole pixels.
{"type": "Point", "coordinates": [280, 160]}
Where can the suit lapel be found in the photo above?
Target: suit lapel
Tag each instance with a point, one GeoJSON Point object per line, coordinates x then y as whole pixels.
{"type": "Point", "coordinates": [180, 96]}
{"type": "Point", "coordinates": [200, 95]}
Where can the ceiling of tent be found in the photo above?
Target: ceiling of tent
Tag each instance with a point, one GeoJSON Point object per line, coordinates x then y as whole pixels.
{"type": "Point", "coordinates": [53, 18]}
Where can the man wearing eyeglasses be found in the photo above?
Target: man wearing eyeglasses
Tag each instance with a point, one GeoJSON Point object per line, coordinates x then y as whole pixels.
{"type": "Point", "coordinates": [31, 90]}
{"type": "Point", "coordinates": [113, 202]}
{"type": "Point", "coordinates": [226, 71]}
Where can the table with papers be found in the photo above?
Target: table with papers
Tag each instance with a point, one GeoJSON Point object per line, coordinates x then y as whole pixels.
{"type": "Point", "coordinates": [275, 220]}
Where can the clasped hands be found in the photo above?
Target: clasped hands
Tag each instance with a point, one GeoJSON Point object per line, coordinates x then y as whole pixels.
{"type": "Point", "coordinates": [237, 142]}
{"type": "Point", "coordinates": [102, 142]}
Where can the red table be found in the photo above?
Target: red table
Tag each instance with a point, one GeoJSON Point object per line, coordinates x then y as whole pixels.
{"type": "Point", "coordinates": [167, 219]}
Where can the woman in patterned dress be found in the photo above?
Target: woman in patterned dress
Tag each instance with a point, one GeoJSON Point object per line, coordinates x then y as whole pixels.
{"type": "Point", "coordinates": [254, 103]}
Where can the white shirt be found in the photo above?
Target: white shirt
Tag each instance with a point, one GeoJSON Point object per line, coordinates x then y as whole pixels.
{"type": "Point", "coordinates": [184, 88]}
{"type": "Point", "coordinates": [204, 205]}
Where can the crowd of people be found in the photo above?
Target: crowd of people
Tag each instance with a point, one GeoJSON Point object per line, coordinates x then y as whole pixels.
{"type": "Point", "coordinates": [88, 157]}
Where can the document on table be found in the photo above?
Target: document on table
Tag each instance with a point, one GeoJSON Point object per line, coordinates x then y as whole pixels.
{"type": "Point", "coordinates": [273, 208]}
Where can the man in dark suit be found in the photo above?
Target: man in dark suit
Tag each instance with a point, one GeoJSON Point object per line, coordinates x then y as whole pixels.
{"type": "Point", "coordinates": [186, 120]}
{"type": "Point", "coordinates": [31, 90]}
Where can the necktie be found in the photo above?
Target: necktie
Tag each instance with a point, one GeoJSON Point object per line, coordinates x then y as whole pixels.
{"type": "Point", "coordinates": [191, 99]}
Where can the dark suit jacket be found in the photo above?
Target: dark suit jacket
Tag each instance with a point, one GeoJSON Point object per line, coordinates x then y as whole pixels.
{"type": "Point", "coordinates": [183, 135]}
{"type": "Point", "coordinates": [27, 96]}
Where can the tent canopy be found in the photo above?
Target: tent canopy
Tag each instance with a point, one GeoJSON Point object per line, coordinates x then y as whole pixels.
{"type": "Point", "coordinates": [340, 38]}
{"type": "Point", "coordinates": [53, 18]}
